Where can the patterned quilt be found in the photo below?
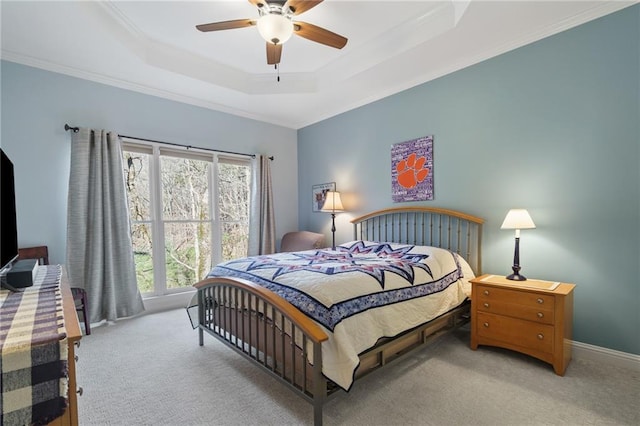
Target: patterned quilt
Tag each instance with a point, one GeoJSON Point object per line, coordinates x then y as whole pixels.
{"type": "Point", "coordinates": [360, 292]}
{"type": "Point", "coordinates": [33, 344]}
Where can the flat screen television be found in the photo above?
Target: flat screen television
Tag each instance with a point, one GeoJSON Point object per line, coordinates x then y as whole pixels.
{"type": "Point", "coordinates": [8, 222]}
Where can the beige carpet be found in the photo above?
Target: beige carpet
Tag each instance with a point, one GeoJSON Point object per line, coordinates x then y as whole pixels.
{"type": "Point", "coordinates": [151, 371]}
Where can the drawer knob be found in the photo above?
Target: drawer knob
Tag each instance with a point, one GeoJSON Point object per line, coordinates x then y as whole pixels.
{"type": "Point", "coordinates": [540, 315]}
{"type": "Point", "coordinates": [540, 336]}
{"type": "Point", "coordinates": [540, 301]}
{"type": "Point", "coordinates": [486, 324]}
{"type": "Point", "coordinates": [486, 305]}
{"type": "Point", "coordinates": [80, 390]}
{"type": "Point", "coordinates": [486, 292]}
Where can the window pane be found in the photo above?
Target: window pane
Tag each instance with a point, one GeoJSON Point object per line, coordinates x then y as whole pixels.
{"type": "Point", "coordinates": [136, 175]}
{"type": "Point", "coordinates": [183, 213]}
{"type": "Point", "coordinates": [233, 188]}
{"type": "Point", "coordinates": [141, 239]}
{"type": "Point", "coordinates": [235, 240]}
{"type": "Point", "coordinates": [188, 252]}
{"type": "Point", "coordinates": [185, 188]}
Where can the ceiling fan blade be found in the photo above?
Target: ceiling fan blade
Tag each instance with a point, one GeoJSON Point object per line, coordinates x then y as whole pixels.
{"type": "Point", "coordinates": [226, 25]}
{"type": "Point", "coordinates": [274, 53]}
{"type": "Point", "coordinates": [257, 3]}
{"type": "Point", "coordinates": [301, 6]}
{"type": "Point", "coordinates": [319, 35]}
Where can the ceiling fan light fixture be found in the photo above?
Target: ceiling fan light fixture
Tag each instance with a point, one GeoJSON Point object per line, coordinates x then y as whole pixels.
{"type": "Point", "coordinates": [275, 28]}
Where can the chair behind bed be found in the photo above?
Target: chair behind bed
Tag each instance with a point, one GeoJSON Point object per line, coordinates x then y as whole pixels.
{"type": "Point", "coordinates": [425, 226]}
{"type": "Point", "coordinates": [302, 240]}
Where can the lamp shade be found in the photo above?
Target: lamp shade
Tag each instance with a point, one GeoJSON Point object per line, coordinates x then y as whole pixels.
{"type": "Point", "coordinates": [518, 219]}
{"type": "Point", "coordinates": [332, 202]}
{"type": "Point", "coordinates": [275, 28]}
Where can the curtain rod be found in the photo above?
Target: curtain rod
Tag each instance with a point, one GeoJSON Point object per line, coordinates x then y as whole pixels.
{"type": "Point", "coordinates": [76, 129]}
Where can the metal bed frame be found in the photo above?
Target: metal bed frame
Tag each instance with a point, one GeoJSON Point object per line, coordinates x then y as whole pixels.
{"type": "Point", "coordinates": [275, 335]}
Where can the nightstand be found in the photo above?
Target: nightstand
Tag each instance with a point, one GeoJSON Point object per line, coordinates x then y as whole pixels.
{"type": "Point", "coordinates": [532, 317]}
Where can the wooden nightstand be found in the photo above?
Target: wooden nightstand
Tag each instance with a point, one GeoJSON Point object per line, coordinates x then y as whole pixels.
{"type": "Point", "coordinates": [533, 317]}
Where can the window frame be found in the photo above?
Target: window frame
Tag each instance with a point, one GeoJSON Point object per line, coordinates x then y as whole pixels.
{"type": "Point", "coordinates": [156, 150]}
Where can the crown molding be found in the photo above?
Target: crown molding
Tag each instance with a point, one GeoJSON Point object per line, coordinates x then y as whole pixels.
{"type": "Point", "coordinates": [321, 111]}
{"type": "Point", "coordinates": [532, 37]}
{"type": "Point", "coordinates": [134, 87]}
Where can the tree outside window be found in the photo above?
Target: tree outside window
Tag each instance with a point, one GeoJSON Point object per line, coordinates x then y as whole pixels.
{"type": "Point", "coordinates": [182, 218]}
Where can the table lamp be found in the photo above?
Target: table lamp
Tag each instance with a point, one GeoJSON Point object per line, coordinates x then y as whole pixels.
{"type": "Point", "coordinates": [333, 204]}
{"type": "Point", "coordinates": [517, 219]}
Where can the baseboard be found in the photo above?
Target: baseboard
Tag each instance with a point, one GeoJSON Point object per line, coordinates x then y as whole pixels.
{"type": "Point", "coordinates": [579, 350]}
{"type": "Point", "coordinates": [165, 303]}
{"type": "Point", "coordinates": [604, 355]}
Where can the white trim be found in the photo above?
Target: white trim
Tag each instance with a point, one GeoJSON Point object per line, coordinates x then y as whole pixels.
{"type": "Point", "coordinates": [155, 304]}
{"type": "Point", "coordinates": [156, 220]}
{"type": "Point", "coordinates": [605, 355]}
{"type": "Point", "coordinates": [257, 81]}
{"type": "Point", "coordinates": [580, 350]}
{"type": "Point", "coordinates": [135, 87]}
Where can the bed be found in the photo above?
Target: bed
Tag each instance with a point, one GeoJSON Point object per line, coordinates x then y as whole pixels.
{"type": "Point", "coordinates": [318, 320]}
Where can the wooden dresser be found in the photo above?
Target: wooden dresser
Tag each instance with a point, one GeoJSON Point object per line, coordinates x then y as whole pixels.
{"type": "Point", "coordinates": [40, 331]}
{"type": "Point", "coordinates": [532, 317]}
{"type": "Point", "coordinates": [74, 334]}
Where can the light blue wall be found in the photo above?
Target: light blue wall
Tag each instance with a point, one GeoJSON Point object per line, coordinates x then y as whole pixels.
{"type": "Point", "coordinates": [36, 104]}
{"type": "Point", "coordinates": [551, 127]}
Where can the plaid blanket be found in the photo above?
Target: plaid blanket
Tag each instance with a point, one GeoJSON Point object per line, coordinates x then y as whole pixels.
{"type": "Point", "coordinates": [33, 346]}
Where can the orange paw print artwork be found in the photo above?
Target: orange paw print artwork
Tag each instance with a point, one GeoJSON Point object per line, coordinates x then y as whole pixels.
{"type": "Point", "coordinates": [411, 171]}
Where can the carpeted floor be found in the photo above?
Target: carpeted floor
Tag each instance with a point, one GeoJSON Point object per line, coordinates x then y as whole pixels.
{"type": "Point", "coordinates": [151, 371]}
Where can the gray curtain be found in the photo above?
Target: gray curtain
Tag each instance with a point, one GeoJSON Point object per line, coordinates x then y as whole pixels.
{"type": "Point", "coordinates": [262, 223]}
{"type": "Point", "coordinates": [99, 249]}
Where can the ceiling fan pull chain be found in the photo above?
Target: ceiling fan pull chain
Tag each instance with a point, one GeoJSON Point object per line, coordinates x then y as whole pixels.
{"type": "Point", "coordinates": [278, 70]}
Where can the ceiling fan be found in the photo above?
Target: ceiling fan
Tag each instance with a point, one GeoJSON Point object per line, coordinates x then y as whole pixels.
{"type": "Point", "coordinates": [276, 25]}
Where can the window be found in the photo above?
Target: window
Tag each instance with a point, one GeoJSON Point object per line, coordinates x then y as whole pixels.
{"type": "Point", "coordinates": [189, 210]}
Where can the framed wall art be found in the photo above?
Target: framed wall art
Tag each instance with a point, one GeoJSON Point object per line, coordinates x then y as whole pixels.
{"type": "Point", "coordinates": [319, 193]}
{"type": "Point", "coordinates": [412, 170]}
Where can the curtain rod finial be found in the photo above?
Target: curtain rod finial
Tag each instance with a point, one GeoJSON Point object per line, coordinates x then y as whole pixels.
{"type": "Point", "coordinates": [67, 128]}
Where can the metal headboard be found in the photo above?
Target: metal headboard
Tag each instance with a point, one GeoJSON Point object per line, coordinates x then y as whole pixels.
{"type": "Point", "coordinates": [425, 226]}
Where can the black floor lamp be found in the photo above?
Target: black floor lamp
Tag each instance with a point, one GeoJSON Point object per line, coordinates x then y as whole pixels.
{"type": "Point", "coordinates": [517, 219]}
{"type": "Point", "coordinates": [332, 204]}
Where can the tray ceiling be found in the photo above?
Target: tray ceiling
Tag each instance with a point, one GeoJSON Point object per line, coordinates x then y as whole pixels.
{"type": "Point", "coordinates": [154, 48]}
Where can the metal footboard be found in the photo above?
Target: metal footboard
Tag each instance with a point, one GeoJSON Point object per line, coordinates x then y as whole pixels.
{"type": "Point", "coordinates": [267, 330]}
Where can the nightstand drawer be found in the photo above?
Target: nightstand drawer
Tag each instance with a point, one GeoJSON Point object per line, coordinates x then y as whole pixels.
{"type": "Point", "coordinates": [540, 314]}
{"type": "Point", "coordinates": [526, 334]}
{"type": "Point", "coordinates": [487, 293]}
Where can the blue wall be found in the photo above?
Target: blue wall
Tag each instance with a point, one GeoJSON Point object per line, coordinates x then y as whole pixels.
{"type": "Point", "coordinates": [551, 127]}
{"type": "Point", "coordinates": [36, 104]}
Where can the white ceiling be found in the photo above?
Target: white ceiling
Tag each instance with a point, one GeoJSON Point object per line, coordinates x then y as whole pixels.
{"type": "Point", "coordinates": [153, 47]}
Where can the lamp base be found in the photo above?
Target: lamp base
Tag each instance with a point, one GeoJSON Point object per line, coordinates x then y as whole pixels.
{"type": "Point", "coordinates": [516, 277]}
{"type": "Point", "coordinates": [516, 267]}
